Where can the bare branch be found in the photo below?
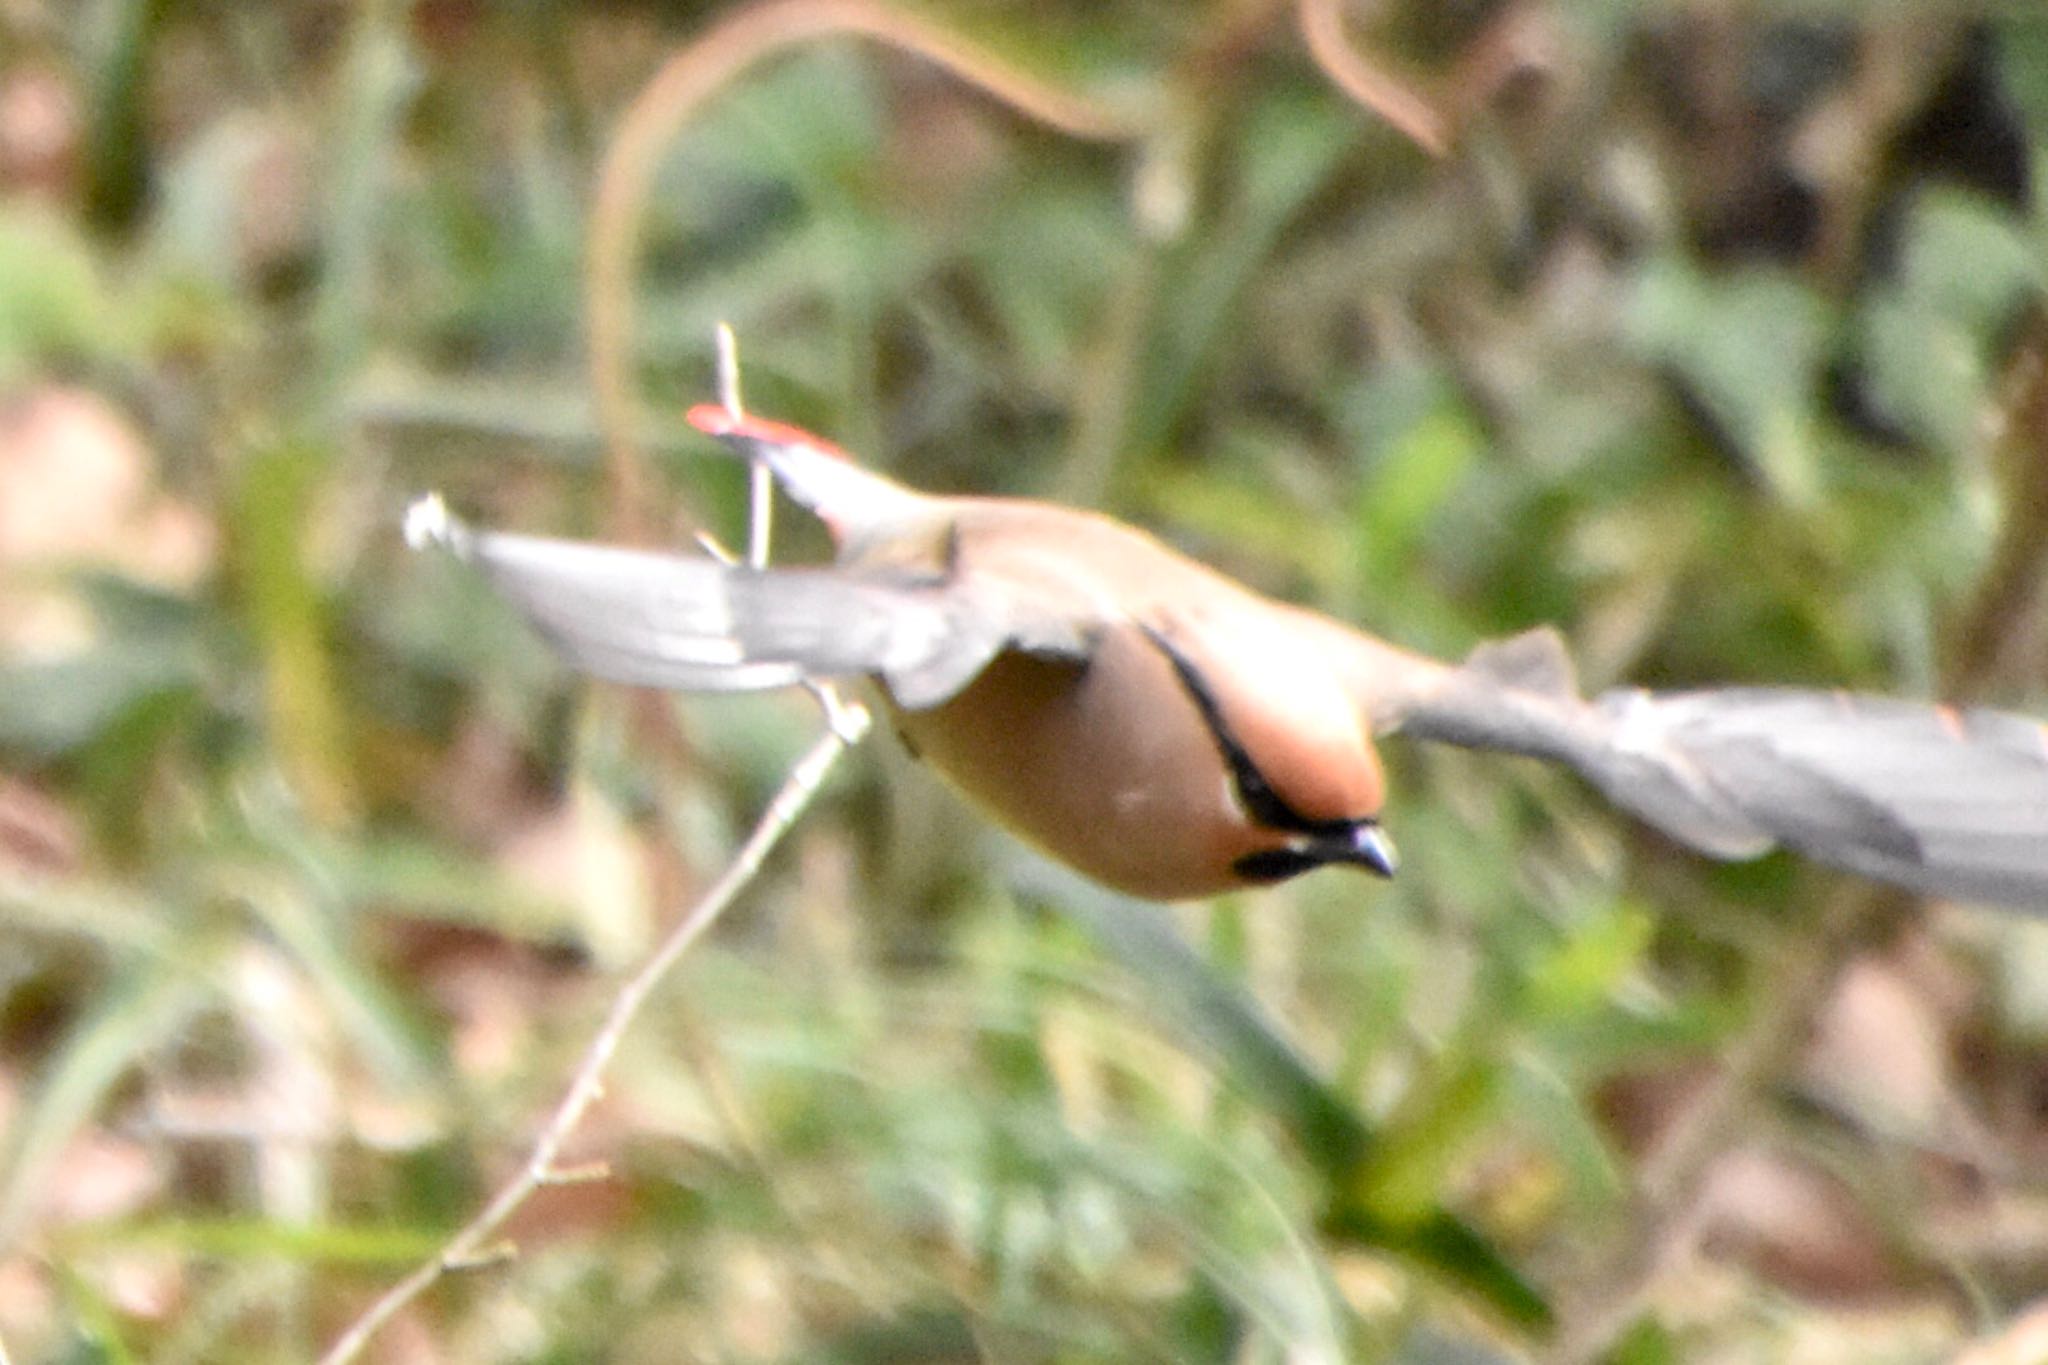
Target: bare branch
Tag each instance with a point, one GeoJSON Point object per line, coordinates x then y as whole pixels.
{"type": "Point", "coordinates": [743, 37]}
{"type": "Point", "coordinates": [1322, 28]}
{"type": "Point", "coordinates": [728, 346]}
{"type": "Point", "coordinates": [846, 723]}
{"type": "Point", "coordinates": [760, 485]}
{"type": "Point", "coordinates": [471, 1246]}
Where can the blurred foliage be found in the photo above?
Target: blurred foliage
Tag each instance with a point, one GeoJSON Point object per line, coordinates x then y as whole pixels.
{"type": "Point", "coordinates": [1710, 342]}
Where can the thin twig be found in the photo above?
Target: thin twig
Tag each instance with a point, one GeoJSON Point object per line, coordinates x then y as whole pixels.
{"type": "Point", "coordinates": [2013, 582]}
{"type": "Point", "coordinates": [845, 725]}
{"type": "Point", "coordinates": [540, 1168]}
{"type": "Point", "coordinates": [760, 485]}
{"type": "Point", "coordinates": [1322, 29]}
{"type": "Point", "coordinates": [829, 698]}
{"type": "Point", "coordinates": [759, 518]}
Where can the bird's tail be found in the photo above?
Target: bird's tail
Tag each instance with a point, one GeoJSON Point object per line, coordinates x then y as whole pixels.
{"type": "Point", "coordinates": [855, 503]}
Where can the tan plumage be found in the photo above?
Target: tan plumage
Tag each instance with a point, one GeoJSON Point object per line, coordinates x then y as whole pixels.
{"type": "Point", "coordinates": [1172, 734]}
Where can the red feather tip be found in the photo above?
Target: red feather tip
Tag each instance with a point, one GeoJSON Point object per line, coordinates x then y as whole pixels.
{"type": "Point", "coordinates": [716, 420]}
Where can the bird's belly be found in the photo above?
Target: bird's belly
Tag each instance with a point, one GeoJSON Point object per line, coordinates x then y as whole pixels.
{"type": "Point", "coordinates": [1109, 768]}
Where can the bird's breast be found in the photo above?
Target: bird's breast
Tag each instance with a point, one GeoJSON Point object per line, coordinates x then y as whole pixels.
{"type": "Point", "coordinates": [1109, 767]}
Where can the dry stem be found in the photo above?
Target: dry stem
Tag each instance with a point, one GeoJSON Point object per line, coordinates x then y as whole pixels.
{"type": "Point", "coordinates": [470, 1246]}
{"type": "Point", "coordinates": [1322, 29]}
{"type": "Point", "coordinates": [845, 724]}
{"type": "Point", "coordinates": [677, 91]}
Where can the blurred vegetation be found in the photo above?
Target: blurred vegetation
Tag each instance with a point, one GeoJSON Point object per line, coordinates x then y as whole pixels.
{"type": "Point", "coordinates": [1717, 339]}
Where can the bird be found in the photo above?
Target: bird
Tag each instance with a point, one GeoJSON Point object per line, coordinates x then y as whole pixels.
{"type": "Point", "coordinates": [1173, 734]}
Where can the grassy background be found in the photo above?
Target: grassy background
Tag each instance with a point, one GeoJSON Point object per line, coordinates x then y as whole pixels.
{"type": "Point", "coordinates": [1717, 341]}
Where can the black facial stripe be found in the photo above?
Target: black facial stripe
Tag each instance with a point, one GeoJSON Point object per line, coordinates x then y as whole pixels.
{"type": "Point", "coordinates": [1264, 804]}
{"type": "Point", "coordinates": [1276, 864]}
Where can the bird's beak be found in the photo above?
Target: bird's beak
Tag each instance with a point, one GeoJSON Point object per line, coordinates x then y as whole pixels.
{"type": "Point", "coordinates": [1370, 847]}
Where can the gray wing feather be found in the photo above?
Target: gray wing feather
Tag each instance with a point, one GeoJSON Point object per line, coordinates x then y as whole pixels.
{"type": "Point", "coordinates": [1952, 803]}
{"type": "Point", "coordinates": [694, 624]}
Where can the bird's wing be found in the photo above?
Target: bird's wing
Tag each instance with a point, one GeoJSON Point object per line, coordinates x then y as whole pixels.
{"type": "Point", "coordinates": [691, 623]}
{"type": "Point", "coordinates": [1952, 803]}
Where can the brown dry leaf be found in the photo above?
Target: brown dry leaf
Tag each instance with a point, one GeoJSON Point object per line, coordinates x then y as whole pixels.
{"type": "Point", "coordinates": [943, 147]}
{"type": "Point", "coordinates": [493, 1010]}
{"type": "Point", "coordinates": [584, 851]}
{"type": "Point", "coordinates": [2024, 1341]}
{"type": "Point", "coordinates": [145, 1285]}
{"type": "Point", "coordinates": [1881, 1055]}
{"type": "Point", "coordinates": [76, 489]}
{"type": "Point", "coordinates": [101, 1177]}
{"type": "Point", "coordinates": [581, 1210]}
{"type": "Point", "coordinates": [38, 131]}
{"type": "Point", "coordinates": [1638, 1106]}
{"type": "Point", "coordinates": [495, 993]}
{"type": "Point", "coordinates": [759, 1303]}
{"type": "Point", "coordinates": [247, 189]}
{"type": "Point", "coordinates": [1073, 1057]}
{"type": "Point", "coordinates": [28, 1301]}
{"type": "Point", "coordinates": [37, 835]}
{"type": "Point", "coordinates": [479, 786]}
{"type": "Point", "coordinates": [1886, 1335]}
{"type": "Point", "coordinates": [1795, 1227]}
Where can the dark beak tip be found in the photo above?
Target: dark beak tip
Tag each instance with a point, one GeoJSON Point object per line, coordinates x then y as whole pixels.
{"type": "Point", "coordinates": [1375, 850]}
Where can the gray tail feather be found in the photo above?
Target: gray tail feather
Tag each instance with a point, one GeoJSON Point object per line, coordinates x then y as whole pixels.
{"type": "Point", "coordinates": [854, 502]}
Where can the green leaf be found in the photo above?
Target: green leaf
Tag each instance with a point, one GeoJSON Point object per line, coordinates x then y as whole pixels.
{"type": "Point", "coordinates": [937, 1334]}
{"type": "Point", "coordinates": [273, 515]}
{"type": "Point", "coordinates": [1403, 1178]}
{"type": "Point", "coordinates": [378, 78]}
{"type": "Point", "coordinates": [53, 304]}
{"type": "Point", "coordinates": [302, 910]}
{"type": "Point", "coordinates": [1581, 972]}
{"type": "Point", "coordinates": [94, 1321]}
{"type": "Point", "coordinates": [1261, 1062]}
{"type": "Point", "coordinates": [147, 1004]}
{"type": "Point", "coordinates": [245, 1239]}
{"type": "Point", "coordinates": [121, 922]}
{"type": "Point", "coordinates": [1409, 481]}
{"type": "Point", "coordinates": [117, 151]}
{"type": "Point", "coordinates": [1288, 147]}
{"type": "Point", "coordinates": [427, 881]}
{"type": "Point", "coordinates": [1222, 1019]}
{"type": "Point", "coordinates": [55, 708]}
{"type": "Point", "coordinates": [1452, 1251]}
{"type": "Point", "coordinates": [1746, 347]}
{"type": "Point", "coordinates": [1929, 338]}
